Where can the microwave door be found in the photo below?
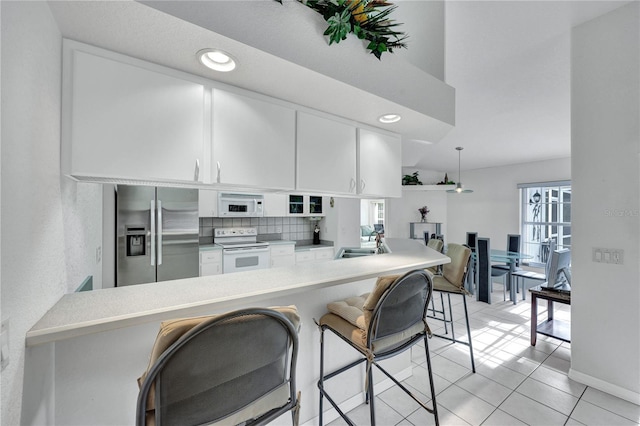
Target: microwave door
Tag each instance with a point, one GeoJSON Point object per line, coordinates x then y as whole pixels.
{"type": "Point", "coordinates": [178, 227]}
{"type": "Point", "coordinates": [134, 235]}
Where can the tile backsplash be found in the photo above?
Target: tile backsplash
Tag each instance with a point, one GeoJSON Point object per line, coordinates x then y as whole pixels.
{"type": "Point", "coordinates": [269, 228]}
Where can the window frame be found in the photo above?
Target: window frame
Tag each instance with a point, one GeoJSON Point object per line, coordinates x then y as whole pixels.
{"type": "Point", "coordinates": [545, 228]}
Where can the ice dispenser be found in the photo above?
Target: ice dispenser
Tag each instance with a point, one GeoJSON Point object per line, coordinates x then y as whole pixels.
{"type": "Point", "coordinates": [136, 240]}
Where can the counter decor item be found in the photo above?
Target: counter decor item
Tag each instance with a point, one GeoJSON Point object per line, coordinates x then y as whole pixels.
{"type": "Point", "coordinates": [423, 212]}
{"type": "Point", "coordinates": [366, 19]}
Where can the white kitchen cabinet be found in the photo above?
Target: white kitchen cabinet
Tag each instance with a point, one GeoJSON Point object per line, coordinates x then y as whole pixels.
{"type": "Point", "coordinates": [379, 164]}
{"type": "Point", "coordinates": [275, 205]}
{"type": "Point", "coordinates": [207, 203]}
{"type": "Point", "coordinates": [283, 255]}
{"type": "Point", "coordinates": [306, 205]}
{"type": "Point", "coordinates": [326, 155]}
{"type": "Point", "coordinates": [122, 119]}
{"type": "Point", "coordinates": [253, 142]}
{"type": "Point", "coordinates": [323, 253]}
{"type": "Point", "coordinates": [210, 262]}
{"type": "Point", "coordinates": [305, 256]}
{"type": "Point", "coordinates": [314, 255]}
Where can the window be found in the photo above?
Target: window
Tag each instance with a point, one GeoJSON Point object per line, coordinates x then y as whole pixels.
{"type": "Point", "coordinates": [371, 212]}
{"type": "Point", "coordinates": [546, 217]}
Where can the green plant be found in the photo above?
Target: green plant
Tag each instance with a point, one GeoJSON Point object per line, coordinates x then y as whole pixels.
{"type": "Point", "coordinates": [411, 179]}
{"type": "Point", "coordinates": [366, 19]}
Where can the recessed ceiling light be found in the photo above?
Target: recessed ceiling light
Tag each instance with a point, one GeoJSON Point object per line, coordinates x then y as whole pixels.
{"type": "Point", "coordinates": [389, 118]}
{"type": "Point", "coordinates": [217, 60]}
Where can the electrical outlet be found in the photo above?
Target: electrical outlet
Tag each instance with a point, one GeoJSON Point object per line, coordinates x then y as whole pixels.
{"type": "Point", "coordinates": [4, 344]}
{"type": "Point", "coordinates": [278, 230]}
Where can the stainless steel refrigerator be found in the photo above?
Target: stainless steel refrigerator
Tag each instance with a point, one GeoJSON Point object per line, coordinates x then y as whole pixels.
{"type": "Point", "coordinates": [156, 234]}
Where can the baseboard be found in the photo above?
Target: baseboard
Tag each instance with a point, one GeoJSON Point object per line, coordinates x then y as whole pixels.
{"type": "Point", "coordinates": [331, 414]}
{"type": "Point", "coordinates": [603, 386]}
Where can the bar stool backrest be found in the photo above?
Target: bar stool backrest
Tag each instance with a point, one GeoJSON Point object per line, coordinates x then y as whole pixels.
{"type": "Point", "coordinates": [456, 271]}
{"type": "Point", "coordinates": [403, 305]}
{"type": "Point", "coordinates": [222, 366]}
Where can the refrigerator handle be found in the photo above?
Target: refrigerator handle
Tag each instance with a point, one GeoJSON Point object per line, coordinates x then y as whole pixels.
{"type": "Point", "coordinates": [196, 175]}
{"type": "Point", "coordinates": [153, 232]}
{"type": "Point", "coordinates": [159, 232]}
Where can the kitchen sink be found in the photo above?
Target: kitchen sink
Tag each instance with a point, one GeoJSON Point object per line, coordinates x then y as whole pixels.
{"type": "Point", "coordinates": [354, 252]}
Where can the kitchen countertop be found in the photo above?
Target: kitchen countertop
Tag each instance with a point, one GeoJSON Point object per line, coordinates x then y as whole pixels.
{"type": "Point", "coordinates": [207, 247]}
{"type": "Point", "coordinates": [79, 314]}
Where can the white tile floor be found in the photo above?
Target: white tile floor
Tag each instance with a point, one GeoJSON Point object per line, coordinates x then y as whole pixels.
{"type": "Point", "coordinates": [514, 384]}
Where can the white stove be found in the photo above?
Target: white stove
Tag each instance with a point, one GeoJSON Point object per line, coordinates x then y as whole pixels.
{"type": "Point", "coordinates": [241, 250]}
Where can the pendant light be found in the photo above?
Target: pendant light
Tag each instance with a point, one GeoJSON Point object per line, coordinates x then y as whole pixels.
{"type": "Point", "coordinates": [459, 189]}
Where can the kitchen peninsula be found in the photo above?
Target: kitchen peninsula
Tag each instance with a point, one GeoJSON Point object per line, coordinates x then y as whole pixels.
{"type": "Point", "coordinates": [107, 334]}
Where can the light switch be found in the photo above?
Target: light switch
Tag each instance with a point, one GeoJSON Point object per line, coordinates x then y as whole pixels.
{"type": "Point", "coordinates": [597, 255]}
{"type": "Point", "coordinates": [607, 257]}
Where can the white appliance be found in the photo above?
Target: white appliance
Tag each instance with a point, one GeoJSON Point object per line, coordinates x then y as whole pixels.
{"type": "Point", "coordinates": [240, 205]}
{"type": "Point", "coordinates": [240, 249]}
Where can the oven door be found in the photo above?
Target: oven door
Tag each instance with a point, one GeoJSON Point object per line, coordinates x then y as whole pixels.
{"type": "Point", "coordinates": [245, 259]}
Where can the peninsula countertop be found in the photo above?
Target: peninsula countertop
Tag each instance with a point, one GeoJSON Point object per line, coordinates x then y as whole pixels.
{"type": "Point", "coordinates": [78, 314]}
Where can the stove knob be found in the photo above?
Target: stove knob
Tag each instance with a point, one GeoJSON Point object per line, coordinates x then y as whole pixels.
{"type": "Point", "coordinates": [242, 231]}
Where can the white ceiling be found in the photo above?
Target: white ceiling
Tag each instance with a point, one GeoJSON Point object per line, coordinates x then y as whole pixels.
{"type": "Point", "coordinates": [510, 64]}
{"type": "Point", "coordinates": [507, 60]}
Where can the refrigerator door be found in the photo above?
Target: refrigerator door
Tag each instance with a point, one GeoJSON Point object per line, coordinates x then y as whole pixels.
{"type": "Point", "coordinates": [178, 227]}
{"type": "Point", "coordinates": [134, 235]}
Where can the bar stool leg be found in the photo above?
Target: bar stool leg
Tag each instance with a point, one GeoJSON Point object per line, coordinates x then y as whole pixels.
{"type": "Point", "coordinates": [321, 382]}
{"type": "Point", "coordinates": [433, 389]}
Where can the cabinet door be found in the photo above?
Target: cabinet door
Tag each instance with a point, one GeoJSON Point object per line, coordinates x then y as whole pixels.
{"type": "Point", "coordinates": [324, 254]}
{"type": "Point", "coordinates": [253, 142]}
{"type": "Point", "coordinates": [275, 205]}
{"type": "Point", "coordinates": [380, 164]}
{"type": "Point", "coordinates": [326, 155]}
{"type": "Point", "coordinates": [131, 122]}
{"type": "Point", "coordinates": [207, 203]}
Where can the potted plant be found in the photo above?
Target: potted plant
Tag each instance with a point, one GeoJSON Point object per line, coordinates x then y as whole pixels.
{"type": "Point", "coordinates": [411, 179]}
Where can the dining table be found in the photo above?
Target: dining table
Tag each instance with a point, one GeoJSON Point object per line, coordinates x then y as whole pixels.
{"type": "Point", "coordinates": [511, 258]}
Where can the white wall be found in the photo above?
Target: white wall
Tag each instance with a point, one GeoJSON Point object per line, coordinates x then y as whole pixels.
{"type": "Point", "coordinates": [342, 223]}
{"type": "Point", "coordinates": [493, 209]}
{"type": "Point", "coordinates": [605, 144]}
{"type": "Point", "coordinates": [401, 211]}
{"type": "Point", "coordinates": [423, 21]}
{"type": "Point", "coordinates": [48, 242]}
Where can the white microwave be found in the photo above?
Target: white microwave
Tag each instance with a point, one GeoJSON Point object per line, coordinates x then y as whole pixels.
{"type": "Point", "coordinates": [240, 205]}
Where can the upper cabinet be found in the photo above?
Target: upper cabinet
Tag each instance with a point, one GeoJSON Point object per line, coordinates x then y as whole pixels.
{"type": "Point", "coordinates": [380, 164]}
{"type": "Point", "coordinates": [326, 155]}
{"type": "Point", "coordinates": [126, 121]}
{"type": "Point", "coordinates": [253, 142]}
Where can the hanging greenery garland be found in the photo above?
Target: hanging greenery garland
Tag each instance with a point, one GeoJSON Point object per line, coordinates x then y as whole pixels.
{"type": "Point", "coordinates": [367, 19]}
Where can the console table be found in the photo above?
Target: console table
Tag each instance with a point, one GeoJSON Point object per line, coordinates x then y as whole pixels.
{"type": "Point", "coordinates": [550, 327]}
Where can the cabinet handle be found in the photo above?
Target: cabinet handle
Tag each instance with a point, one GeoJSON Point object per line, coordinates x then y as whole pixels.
{"type": "Point", "coordinates": [196, 175]}
{"type": "Point", "coordinates": [153, 232]}
{"type": "Point", "coordinates": [219, 168]}
{"type": "Point", "coordinates": [352, 185]}
{"type": "Point", "coordinates": [363, 184]}
{"type": "Point", "coordinates": [159, 232]}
